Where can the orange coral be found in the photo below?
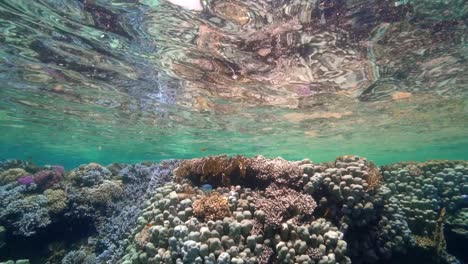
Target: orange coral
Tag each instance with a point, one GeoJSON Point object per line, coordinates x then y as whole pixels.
{"type": "Point", "coordinates": [211, 207]}
{"type": "Point", "coordinates": [144, 236]}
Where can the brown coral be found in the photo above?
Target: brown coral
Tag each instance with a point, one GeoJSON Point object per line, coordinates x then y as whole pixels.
{"type": "Point", "coordinates": [238, 170]}
{"type": "Point", "coordinates": [211, 207]}
{"type": "Point", "coordinates": [267, 255]}
{"type": "Point", "coordinates": [217, 170]}
{"type": "Point", "coordinates": [282, 204]}
{"type": "Point", "coordinates": [144, 236]}
{"type": "Point", "coordinates": [314, 253]}
{"type": "Point", "coordinates": [374, 177]}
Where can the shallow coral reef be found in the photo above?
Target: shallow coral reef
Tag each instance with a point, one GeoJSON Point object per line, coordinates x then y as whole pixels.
{"type": "Point", "coordinates": [235, 210]}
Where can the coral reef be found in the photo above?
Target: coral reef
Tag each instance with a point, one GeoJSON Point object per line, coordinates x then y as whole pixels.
{"type": "Point", "coordinates": [178, 236]}
{"type": "Point", "coordinates": [21, 211]}
{"type": "Point", "coordinates": [46, 179]}
{"type": "Point", "coordinates": [89, 175]}
{"type": "Point", "coordinates": [211, 207]}
{"type": "Point", "coordinates": [90, 195]}
{"type": "Point", "coordinates": [244, 210]}
{"type": "Point", "coordinates": [239, 170]}
{"type": "Point", "coordinates": [427, 195]}
{"type": "Point", "coordinates": [56, 200]}
{"type": "Point", "coordinates": [280, 204]}
{"type": "Point", "coordinates": [12, 175]}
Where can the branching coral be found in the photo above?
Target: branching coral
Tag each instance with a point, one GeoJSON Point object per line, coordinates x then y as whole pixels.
{"type": "Point", "coordinates": [24, 214]}
{"type": "Point", "coordinates": [266, 256]}
{"type": "Point", "coordinates": [224, 171]}
{"type": "Point", "coordinates": [211, 207]}
{"type": "Point", "coordinates": [374, 177]}
{"type": "Point", "coordinates": [278, 170]}
{"type": "Point", "coordinates": [281, 204]}
{"type": "Point", "coordinates": [217, 170]}
{"type": "Point", "coordinates": [314, 253]}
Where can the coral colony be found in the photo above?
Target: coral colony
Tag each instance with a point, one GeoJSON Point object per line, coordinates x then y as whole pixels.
{"type": "Point", "coordinates": [236, 210]}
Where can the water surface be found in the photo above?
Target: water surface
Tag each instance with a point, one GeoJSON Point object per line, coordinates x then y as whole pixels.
{"type": "Point", "coordinates": [101, 80]}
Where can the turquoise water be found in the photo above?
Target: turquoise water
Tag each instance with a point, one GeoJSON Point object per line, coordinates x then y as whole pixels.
{"type": "Point", "coordinates": [380, 84]}
{"type": "Point", "coordinates": [127, 81]}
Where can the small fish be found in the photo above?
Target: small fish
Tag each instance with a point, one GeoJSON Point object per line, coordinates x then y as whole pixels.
{"type": "Point", "coordinates": [207, 187]}
{"type": "Point", "coordinates": [203, 149]}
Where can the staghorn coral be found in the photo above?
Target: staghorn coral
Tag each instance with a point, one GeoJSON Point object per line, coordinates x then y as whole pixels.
{"type": "Point", "coordinates": [211, 207]}
{"type": "Point", "coordinates": [146, 178]}
{"type": "Point", "coordinates": [281, 204]}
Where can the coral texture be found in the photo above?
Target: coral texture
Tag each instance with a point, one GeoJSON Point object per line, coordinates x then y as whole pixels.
{"type": "Point", "coordinates": [211, 207]}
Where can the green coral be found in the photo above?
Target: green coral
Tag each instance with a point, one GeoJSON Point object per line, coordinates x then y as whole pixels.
{"type": "Point", "coordinates": [104, 193]}
{"type": "Point", "coordinates": [12, 175]}
{"type": "Point", "coordinates": [57, 200]}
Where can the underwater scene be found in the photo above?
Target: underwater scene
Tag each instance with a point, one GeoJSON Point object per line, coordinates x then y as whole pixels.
{"type": "Point", "coordinates": [233, 131]}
